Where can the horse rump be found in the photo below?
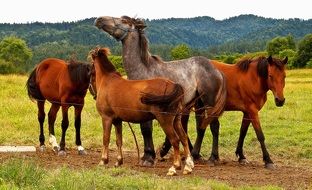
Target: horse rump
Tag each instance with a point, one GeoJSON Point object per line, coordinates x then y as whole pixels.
{"type": "Point", "coordinates": [32, 87]}
{"type": "Point", "coordinates": [176, 95]}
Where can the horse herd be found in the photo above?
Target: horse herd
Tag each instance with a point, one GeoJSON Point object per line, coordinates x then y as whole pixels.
{"type": "Point", "coordinates": [165, 91]}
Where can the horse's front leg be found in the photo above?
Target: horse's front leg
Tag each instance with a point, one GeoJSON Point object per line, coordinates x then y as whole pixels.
{"type": "Point", "coordinates": [256, 124]}
{"type": "Point", "coordinates": [107, 126]}
{"type": "Point", "coordinates": [148, 158]}
{"type": "Point", "coordinates": [78, 109]}
{"type": "Point", "coordinates": [51, 120]}
{"type": "Point", "coordinates": [65, 124]}
{"type": "Point", "coordinates": [118, 130]}
{"type": "Point", "coordinates": [243, 131]}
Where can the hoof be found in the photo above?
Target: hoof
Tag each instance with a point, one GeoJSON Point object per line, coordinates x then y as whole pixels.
{"type": "Point", "coordinates": [172, 171]}
{"type": "Point", "coordinates": [146, 163]}
{"type": "Point", "coordinates": [243, 161]}
{"type": "Point", "coordinates": [103, 162]}
{"type": "Point", "coordinates": [212, 162]}
{"type": "Point", "coordinates": [42, 148]}
{"type": "Point", "coordinates": [56, 148]}
{"type": "Point", "coordinates": [61, 153]}
{"type": "Point", "coordinates": [161, 159]}
{"type": "Point", "coordinates": [187, 171]}
{"type": "Point", "coordinates": [269, 166]}
{"type": "Point", "coordinates": [82, 152]}
{"type": "Point", "coordinates": [118, 163]}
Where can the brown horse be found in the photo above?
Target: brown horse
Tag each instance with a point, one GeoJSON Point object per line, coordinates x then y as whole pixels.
{"type": "Point", "coordinates": [63, 85]}
{"type": "Point", "coordinates": [248, 82]}
{"type": "Point", "coordinates": [137, 101]}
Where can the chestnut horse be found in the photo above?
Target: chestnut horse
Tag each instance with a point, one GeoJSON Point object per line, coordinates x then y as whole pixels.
{"type": "Point", "coordinates": [200, 80]}
{"type": "Point", "coordinates": [63, 85]}
{"type": "Point", "coordinates": [137, 101]}
{"type": "Point", "coordinates": [248, 82]}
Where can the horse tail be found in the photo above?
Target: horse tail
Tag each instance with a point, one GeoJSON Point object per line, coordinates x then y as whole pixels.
{"type": "Point", "coordinates": [176, 95]}
{"type": "Point", "coordinates": [217, 110]}
{"type": "Point", "coordinates": [33, 90]}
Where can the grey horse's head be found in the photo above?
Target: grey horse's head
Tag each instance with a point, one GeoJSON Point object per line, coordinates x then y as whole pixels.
{"type": "Point", "coordinates": [119, 27]}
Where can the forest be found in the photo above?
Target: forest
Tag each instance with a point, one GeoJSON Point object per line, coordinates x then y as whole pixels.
{"type": "Point", "coordinates": [226, 39]}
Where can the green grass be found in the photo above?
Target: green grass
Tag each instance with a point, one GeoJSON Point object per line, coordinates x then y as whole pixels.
{"type": "Point", "coordinates": [288, 132]}
{"type": "Point", "coordinates": [23, 174]}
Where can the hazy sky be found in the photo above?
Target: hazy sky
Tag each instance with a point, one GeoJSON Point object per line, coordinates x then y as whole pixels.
{"type": "Point", "coordinates": [23, 11]}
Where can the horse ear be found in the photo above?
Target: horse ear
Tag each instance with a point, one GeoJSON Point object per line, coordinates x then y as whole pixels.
{"type": "Point", "coordinates": [270, 59]}
{"type": "Point", "coordinates": [285, 60]}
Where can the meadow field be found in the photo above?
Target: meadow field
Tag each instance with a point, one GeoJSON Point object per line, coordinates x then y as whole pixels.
{"type": "Point", "coordinates": [288, 132]}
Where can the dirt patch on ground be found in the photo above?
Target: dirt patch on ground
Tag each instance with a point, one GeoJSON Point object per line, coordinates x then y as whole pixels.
{"type": "Point", "coordinates": [228, 171]}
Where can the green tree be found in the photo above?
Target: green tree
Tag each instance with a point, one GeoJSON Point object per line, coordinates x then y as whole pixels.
{"type": "Point", "coordinates": [14, 50]}
{"type": "Point", "coordinates": [279, 44]}
{"type": "Point", "coordinates": [181, 51]}
{"type": "Point", "coordinates": [304, 54]}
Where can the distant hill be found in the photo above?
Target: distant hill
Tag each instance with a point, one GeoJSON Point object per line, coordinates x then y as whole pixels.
{"type": "Point", "coordinates": [199, 32]}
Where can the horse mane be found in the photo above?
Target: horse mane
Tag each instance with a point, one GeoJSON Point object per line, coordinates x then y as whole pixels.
{"type": "Point", "coordinates": [103, 53]}
{"type": "Point", "coordinates": [143, 41]}
{"type": "Point", "coordinates": [79, 72]}
{"type": "Point", "coordinates": [262, 65]}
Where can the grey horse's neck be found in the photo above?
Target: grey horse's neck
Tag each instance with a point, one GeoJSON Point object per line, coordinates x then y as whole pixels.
{"type": "Point", "coordinates": [134, 66]}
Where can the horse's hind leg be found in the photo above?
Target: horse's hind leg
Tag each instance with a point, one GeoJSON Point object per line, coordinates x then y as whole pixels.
{"type": "Point", "coordinates": [41, 117]}
{"type": "Point", "coordinates": [51, 120]}
{"type": "Point", "coordinates": [78, 109]}
{"type": "Point", "coordinates": [166, 145]}
{"type": "Point", "coordinates": [174, 140]}
{"type": "Point", "coordinates": [107, 126]}
{"type": "Point", "coordinates": [199, 114]}
{"type": "Point", "coordinates": [118, 131]}
{"type": "Point", "coordinates": [189, 164]}
{"type": "Point", "coordinates": [243, 131]}
{"type": "Point", "coordinates": [214, 128]}
{"type": "Point", "coordinates": [65, 124]}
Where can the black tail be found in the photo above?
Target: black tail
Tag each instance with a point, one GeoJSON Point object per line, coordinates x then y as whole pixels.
{"type": "Point", "coordinates": [32, 87]}
{"type": "Point", "coordinates": [164, 100]}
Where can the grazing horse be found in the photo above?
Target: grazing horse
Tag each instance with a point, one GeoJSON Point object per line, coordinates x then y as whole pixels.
{"type": "Point", "coordinates": [248, 82]}
{"type": "Point", "coordinates": [198, 77]}
{"type": "Point", "coordinates": [136, 101]}
{"type": "Point", "coordinates": [63, 85]}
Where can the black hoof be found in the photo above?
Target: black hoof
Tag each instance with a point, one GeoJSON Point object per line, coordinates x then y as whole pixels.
{"type": "Point", "coordinates": [147, 163]}
{"type": "Point", "coordinates": [243, 161]}
{"type": "Point", "coordinates": [269, 166]}
{"type": "Point", "coordinates": [61, 153]}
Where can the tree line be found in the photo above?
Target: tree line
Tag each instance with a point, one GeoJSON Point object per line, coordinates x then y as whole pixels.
{"type": "Point", "coordinates": [24, 45]}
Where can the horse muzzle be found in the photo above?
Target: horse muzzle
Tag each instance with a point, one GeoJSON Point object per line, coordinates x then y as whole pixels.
{"type": "Point", "coordinates": [279, 102]}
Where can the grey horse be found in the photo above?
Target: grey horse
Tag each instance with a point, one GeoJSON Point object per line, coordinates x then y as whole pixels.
{"type": "Point", "coordinates": [203, 84]}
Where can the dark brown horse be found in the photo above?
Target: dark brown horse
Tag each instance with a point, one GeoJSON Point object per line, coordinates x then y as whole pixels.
{"type": "Point", "coordinates": [63, 85]}
{"type": "Point", "coordinates": [248, 82]}
{"type": "Point", "coordinates": [137, 101]}
{"type": "Point", "coordinates": [198, 77]}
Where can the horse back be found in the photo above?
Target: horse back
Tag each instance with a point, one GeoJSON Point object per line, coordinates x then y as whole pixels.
{"type": "Point", "coordinates": [243, 88]}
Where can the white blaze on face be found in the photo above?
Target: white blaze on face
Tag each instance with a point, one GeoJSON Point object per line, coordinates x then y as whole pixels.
{"type": "Point", "coordinates": [52, 141]}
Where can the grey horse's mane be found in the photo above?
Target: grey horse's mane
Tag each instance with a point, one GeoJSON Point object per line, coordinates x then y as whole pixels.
{"type": "Point", "coordinates": [139, 24]}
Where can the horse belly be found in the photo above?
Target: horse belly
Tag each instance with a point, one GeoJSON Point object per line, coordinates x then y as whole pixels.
{"type": "Point", "coordinates": [134, 116]}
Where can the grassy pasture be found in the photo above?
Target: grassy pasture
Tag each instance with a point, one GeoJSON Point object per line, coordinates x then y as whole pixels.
{"type": "Point", "coordinates": [288, 132]}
